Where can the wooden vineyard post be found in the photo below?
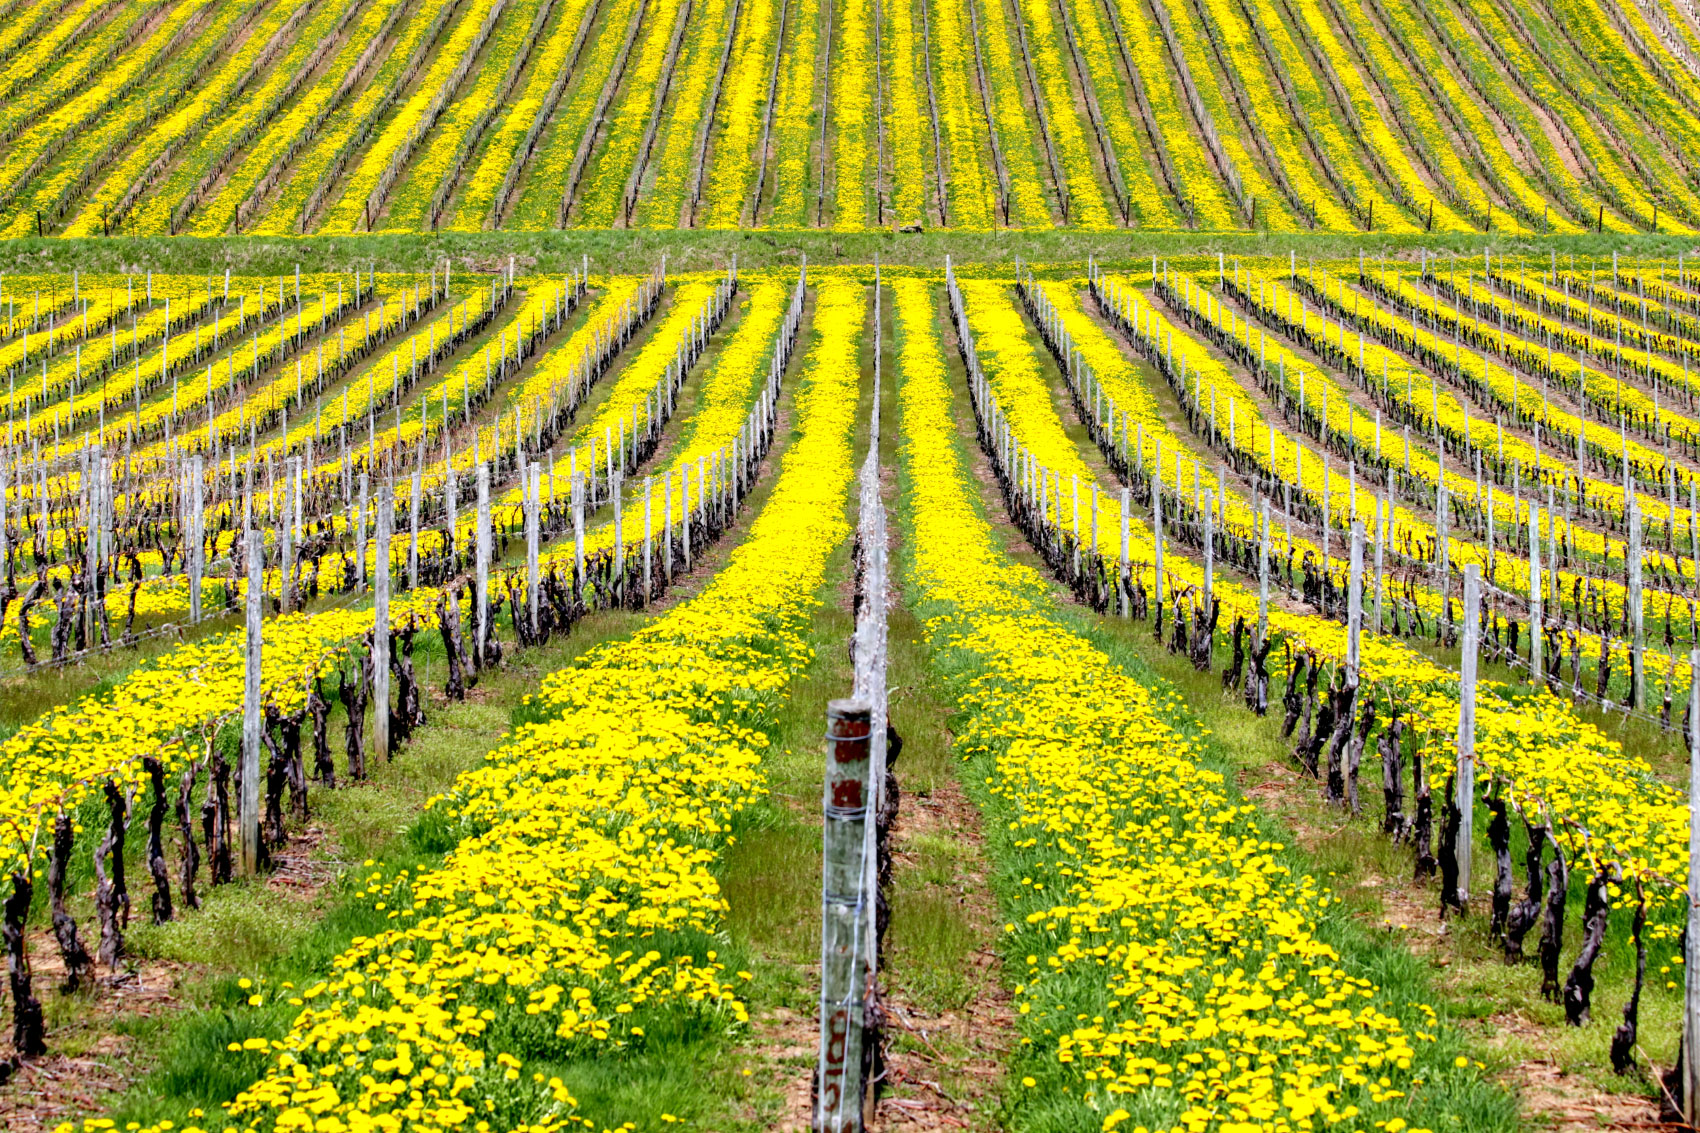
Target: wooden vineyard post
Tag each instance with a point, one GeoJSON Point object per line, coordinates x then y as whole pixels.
{"type": "Point", "coordinates": [685, 509]}
{"type": "Point", "coordinates": [1638, 642]}
{"type": "Point", "coordinates": [449, 502]}
{"type": "Point", "coordinates": [1491, 552]}
{"type": "Point", "coordinates": [1263, 580]}
{"type": "Point", "coordinates": [1124, 587]}
{"type": "Point", "coordinates": [648, 540]}
{"type": "Point", "coordinates": [1534, 592]}
{"type": "Point", "coordinates": [1355, 605]}
{"type": "Point", "coordinates": [838, 1103]}
{"type": "Point", "coordinates": [1157, 534]}
{"type": "Point", "coordinates": [1209, 558]}
{"type": "Point", "coordinates": [533, 489]}
{"type": "Point", "coordinates": [95, 460]}
{"type": "Point", "coordinates": [1382, 508]}
{"type": "Point", "coordinates": [1443, 546]}
{"type": "Point", "coordinates": [1074, 567]}
{"type": "Point", "coordinates": [481, 543]}
{"type": "Point", "coordinates": [617, 491]}
{"type": "Point", "coordinates": [196, 548]}
{"type": "Point", "coordinates": [578, 533]}
{"type": "Point", "coordinates": [667, 529]}
{"type": "Point", "coordinates": [1693, 526]}
{"type": "Point", "coordinates": [1691, 969]}
{"type": "Point", "coordinates": [1467, 728]}
{"type": "Point", "coordinates": [360, 535]}
{"type": "Point", "coordinates": [413, 536]}
{"type": "Point", "coordinates": [381, 629]}
{"type": "Point", "coordinates": [286, 544]}
{"type": "Point", "coordinates": [248, 802]}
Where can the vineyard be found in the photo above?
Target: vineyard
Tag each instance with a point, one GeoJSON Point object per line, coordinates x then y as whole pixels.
{"type": "Point", "coordinates": [471, 631]}
{"type": "Point", "coordinates": [583, 566]}
{"type": "Point", "coordinates": [279, 117]}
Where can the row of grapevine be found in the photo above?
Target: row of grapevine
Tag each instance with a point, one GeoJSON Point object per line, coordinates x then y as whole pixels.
{"type": "Point", "coordinates": [1095, 114]}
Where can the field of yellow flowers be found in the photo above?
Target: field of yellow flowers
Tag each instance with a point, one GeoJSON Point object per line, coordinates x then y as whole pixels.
{"type": "Point", "coordinates": [343, 116]}
{"type": "Point", "coordinates": [1132, 501]}
{"type": "Point", "coordinates": [431, 536]}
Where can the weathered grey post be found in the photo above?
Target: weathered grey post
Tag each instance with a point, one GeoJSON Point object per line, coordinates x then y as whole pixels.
{"type": "Point", "coordinates": [1074, 483]}
{"type": "Point", "coordinates": [93, 462]}
{"type": "Point", "coordinates": [1355, 604]}
{"type": "Point", "coordinates": [360, 535]}
{"type": "Point", "coordinates": [5, 538]}
{"type": "Point", "coordinates": [413, 536]}
{"type": "Point", "coordinates": [1209, 555]}
{"type": "Point", "coordinates": [838, 1104]}
{"type": "Point", "coordinates": [1124, 587]}
{"type": "Point", "coordinates": [1535, 669]}
{"type": "Point", "coordinates": [578, 531]}
{"type": "Point", "coordinates": [197, 548]}
{"type": "Point", "coordinates": [1467, 728]}
{"type": "Point", "coordinates": [685, 510]}
{"type": "Point", "coordinates": [1691, 970]}
{"type": "Point", "coordinates": [1263, 577]}
{"type": "Point", "coordinates": [381, 628]}
{"type": "Point", "coordinates": [1693, 528]}
{"type": "Point", "coordinates": [449, 501]}
{"type": "Point", "coordinates": [618, 490]}
{"type": "Point", "coordinates": [1382, 508]}
{"type": "Point", "coordinates": [248, 802]}
{"type": "Point", "coordinates": [648, 539]}
{"type": "Point", "coordinates": [481, 541]}
{"type": "Point", "coordinates": [1443, 548]}
{"type": "Point", "coordinates": [533, 492]}
{"type": "Point", "coordinates": [1638, 642]}
{"type": "Point", "coordinates": [286, 545]}
{"type": "Point", "coordinates": [1157, 533]}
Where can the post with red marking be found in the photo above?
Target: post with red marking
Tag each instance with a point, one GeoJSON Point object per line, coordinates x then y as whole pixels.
{"type": "Point", "coordinates": [839, 1085]}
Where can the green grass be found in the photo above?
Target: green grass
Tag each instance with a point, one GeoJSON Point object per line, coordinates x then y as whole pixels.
{"type": "Point", "coordinates": [637, 250]}
{"type": "Point", "coordinates": [1501, 1005]}
{"type": "Point", "coordinates": [1231, 742]}
{"type": "Point", "coordinates": [25, 695]}
{"type": "Point", "coordinates": [247, 931]}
